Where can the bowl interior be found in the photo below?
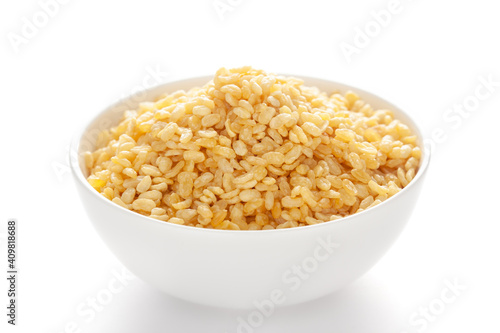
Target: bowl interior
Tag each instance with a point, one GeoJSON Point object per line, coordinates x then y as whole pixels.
{"type": "Point", "coordinates": [86, 139]}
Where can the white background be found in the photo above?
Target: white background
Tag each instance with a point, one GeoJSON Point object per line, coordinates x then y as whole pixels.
{"type": "Point", "coordinates": [428, 58]}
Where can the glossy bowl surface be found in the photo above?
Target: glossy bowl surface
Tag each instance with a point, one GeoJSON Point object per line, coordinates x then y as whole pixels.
{"type": "Point", "coordinates": [239, 269]}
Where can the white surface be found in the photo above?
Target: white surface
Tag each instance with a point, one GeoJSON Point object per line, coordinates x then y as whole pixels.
{"type": "Point", "coordinates": [90, 53]}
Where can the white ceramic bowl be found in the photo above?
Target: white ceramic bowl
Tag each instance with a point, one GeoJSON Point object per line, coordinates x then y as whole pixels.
{"type": "Point", "coordinates": [239, 269]}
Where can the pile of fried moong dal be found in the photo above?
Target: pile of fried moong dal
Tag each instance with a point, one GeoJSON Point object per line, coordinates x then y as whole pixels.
{"type": "Point", "coordinates": [253, 151]}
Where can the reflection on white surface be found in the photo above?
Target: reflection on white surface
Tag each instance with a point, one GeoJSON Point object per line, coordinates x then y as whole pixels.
{"type": "Point", "coordinates": [364, 306]}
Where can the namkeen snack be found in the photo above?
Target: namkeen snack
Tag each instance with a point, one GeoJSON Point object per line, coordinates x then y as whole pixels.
{"type": "Point", "coordinates": [253, 151]}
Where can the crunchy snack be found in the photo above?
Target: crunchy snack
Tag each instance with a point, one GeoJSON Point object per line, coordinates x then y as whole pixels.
{"type": "Point", "coordinates": [251, 150]}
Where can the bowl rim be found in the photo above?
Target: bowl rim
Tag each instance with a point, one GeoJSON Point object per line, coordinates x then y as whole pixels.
{"type": "Point", "coordinates": [78, 174]}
